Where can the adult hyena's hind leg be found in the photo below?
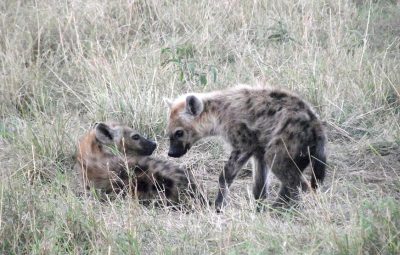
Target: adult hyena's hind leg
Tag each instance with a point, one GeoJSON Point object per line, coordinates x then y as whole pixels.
{"type": "Point", "coordinates": [291, 181]}
{"type": "Point", "coordinates": [288, 169]}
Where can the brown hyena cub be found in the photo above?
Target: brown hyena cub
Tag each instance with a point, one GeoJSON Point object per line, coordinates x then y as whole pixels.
{"type": "Point", "coordinates": [277, 128]}
{"type": "Point", "coordinates": [111, 157]}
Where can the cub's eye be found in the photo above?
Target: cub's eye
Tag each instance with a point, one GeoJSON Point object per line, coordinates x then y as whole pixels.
{"type": "Point", "coordinates": [135, 137]}
{"type": "Point", "coordinates": [179, 133]}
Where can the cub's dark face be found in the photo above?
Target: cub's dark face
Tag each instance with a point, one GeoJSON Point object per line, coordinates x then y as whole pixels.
{"type": "Point", "coordinates": [127, 140]}
{"type": "Point", "coordinates": [136, 144]}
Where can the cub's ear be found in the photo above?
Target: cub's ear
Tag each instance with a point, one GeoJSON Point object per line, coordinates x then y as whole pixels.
{"type": "Point", "coordinates": [104, 133]}
{"type": "Point", "coordinates": [194, 105]}
{"type": "Point", "coordinates": [168, 102]}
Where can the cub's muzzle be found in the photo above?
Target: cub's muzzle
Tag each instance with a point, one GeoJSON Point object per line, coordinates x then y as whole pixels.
{"type": "Point", "coordinates": [148, 148]}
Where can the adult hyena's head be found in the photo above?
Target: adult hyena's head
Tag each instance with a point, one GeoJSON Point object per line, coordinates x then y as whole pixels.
{"type": "Point", "coordinates": [122, 139]}
{"type": "Point", "coordinates": [184, 124]}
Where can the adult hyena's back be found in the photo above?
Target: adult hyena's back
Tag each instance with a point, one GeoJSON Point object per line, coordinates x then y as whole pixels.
{"type": "Point", "coordinates": [276, 122]}
{"type": "Point", "coordinates": [261, 114]}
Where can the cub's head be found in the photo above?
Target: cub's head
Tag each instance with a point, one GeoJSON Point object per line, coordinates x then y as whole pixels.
{"type": "Point", "coordinates": [183, 124]}
{"type": "Point", "coordinates": [123, 139]}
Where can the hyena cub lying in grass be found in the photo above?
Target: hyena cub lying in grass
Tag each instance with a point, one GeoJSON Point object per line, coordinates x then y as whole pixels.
{"type": "Point", "coordinates": [278, 129]}
{"type": "Point", "coordinates": [114, 158]}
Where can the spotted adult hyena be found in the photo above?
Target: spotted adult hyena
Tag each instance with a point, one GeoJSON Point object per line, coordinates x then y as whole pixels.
{"type": "Point", "coordinates": [111, 157]}
{"type": "Point", "coordinates": [275, 127]}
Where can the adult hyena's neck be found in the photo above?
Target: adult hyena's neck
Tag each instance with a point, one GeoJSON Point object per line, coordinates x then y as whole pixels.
{"type": "Point", "coordinates": [211, 121]}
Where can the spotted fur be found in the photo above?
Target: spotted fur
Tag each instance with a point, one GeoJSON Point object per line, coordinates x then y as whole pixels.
{"type": "Point", "coordinates": [116, 159]}
{"type": "Point", "coordinates": [277, 128]}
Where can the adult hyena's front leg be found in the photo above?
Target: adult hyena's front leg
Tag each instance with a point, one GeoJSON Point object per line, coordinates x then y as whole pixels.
{"type": "Point", "coordinates": [231, 169]}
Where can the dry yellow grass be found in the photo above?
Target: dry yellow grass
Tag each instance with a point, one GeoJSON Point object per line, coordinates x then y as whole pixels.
{"type": "Point", "coordinates": [67, 64]}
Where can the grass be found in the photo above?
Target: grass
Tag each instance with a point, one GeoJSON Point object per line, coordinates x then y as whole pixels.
{"type": "Point", "coordinates": [67, 64]}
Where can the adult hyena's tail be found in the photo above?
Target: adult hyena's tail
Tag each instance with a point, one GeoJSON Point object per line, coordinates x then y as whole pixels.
{"type": "Point", "coordinates": [318, 160]}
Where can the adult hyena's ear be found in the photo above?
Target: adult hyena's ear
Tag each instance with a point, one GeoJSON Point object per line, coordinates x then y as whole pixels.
{"type": "Point", "coordinates": [104, 133]}
{"type": "Point", "coordinates": [168, 102]}
{"type": "Point", "coordinates": [194, 105]}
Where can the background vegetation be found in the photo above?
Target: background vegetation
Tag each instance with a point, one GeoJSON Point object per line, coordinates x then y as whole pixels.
{"type": "Point", "coordinates": [67, 64]}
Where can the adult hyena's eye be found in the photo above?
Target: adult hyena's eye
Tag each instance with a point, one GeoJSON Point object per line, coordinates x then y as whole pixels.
{"type": "Point", "coordinates": [179, 133]}
{"type": "Point", "coordinates": [135, 137]}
